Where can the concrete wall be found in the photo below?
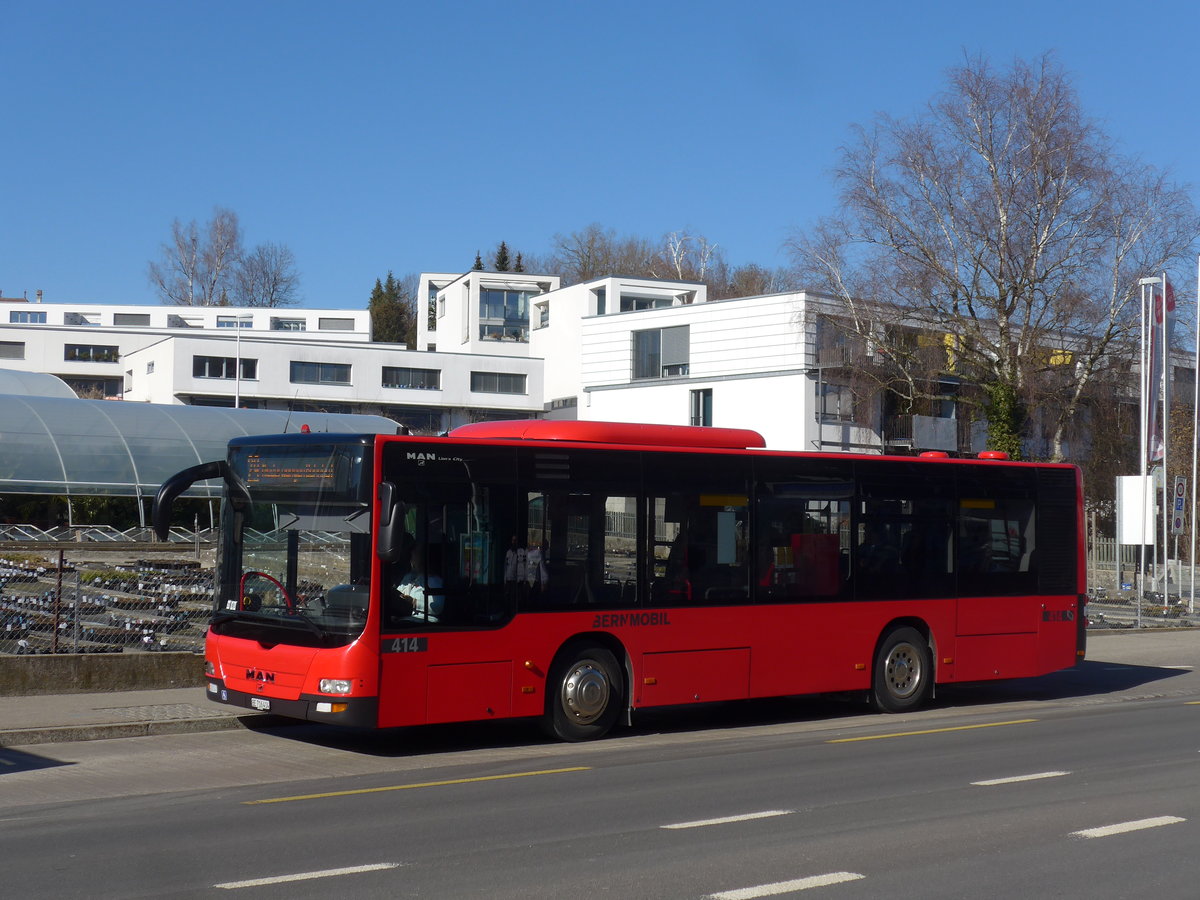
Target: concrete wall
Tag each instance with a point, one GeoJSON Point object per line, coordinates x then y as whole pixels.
{"type": "Point", "coordinates": [69, 673]}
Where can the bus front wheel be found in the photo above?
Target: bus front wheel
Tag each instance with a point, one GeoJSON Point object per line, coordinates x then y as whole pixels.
{"type": "Point", "coordinates": [903, 676]}
{"type": "Point", "coordinates": [585, 700]}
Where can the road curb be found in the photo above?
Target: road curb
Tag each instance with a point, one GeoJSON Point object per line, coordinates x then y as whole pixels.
{"type": "Point", "coordinates": [64, 734]}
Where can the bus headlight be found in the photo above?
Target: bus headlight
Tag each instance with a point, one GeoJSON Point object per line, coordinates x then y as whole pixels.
{"type": "Point", "coordinates": [335, 686]}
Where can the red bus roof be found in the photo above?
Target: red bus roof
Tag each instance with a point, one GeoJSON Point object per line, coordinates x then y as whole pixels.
{"type": "Point", "coordinates": [613, 433]}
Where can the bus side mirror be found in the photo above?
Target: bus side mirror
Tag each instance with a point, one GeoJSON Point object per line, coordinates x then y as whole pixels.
{"type": "Point", "coordinates": [387, 545]}
{"type": "Point", "coordinates": [169, 490]}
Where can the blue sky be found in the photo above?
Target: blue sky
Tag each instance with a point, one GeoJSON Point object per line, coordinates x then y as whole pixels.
{"type": "Point", "coordinates": [405, 136]}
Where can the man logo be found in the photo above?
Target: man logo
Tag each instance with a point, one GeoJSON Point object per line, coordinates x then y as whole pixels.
{"type": "Point", "coordinates": [260, 675]}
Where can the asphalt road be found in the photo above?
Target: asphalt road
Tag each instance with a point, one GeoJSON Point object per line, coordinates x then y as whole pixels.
{"type": "Point", "coordinates": [1081, 784]}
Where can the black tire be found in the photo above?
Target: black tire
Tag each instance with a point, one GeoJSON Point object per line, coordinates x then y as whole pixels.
{"type": "Point", "coordinates": [903, 674]}
{"type": "Point", "coordinates": [583, 695]}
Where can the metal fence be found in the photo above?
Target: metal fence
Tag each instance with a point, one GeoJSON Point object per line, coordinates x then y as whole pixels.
{"type": "Point", "coordinates": [100, 590]}
{"type": "Point", "coordinates": [91, 599]}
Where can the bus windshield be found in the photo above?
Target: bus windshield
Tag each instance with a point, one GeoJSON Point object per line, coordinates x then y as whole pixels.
{"type": "Point", "coordinates": [295, 563]}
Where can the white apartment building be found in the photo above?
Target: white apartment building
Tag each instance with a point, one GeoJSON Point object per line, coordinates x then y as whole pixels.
{"type": "Point", "coordinates": [493, 345]}
{"type": "Point", "coordinates": [480, 312]}
{"type": "Point", "coordinates": [428, 392]}
{"type": "Point", "coordinates": [84, 343]}
{"type": "Point", "coordinates": [315, 360]}
{"type": "Point", "coordinates": [647, 350]}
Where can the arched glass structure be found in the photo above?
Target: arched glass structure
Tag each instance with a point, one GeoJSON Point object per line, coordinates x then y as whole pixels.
{"type": "Point", "coordinates": [71, 447]}
{"type": "Point", "coordinates": [34, 384]}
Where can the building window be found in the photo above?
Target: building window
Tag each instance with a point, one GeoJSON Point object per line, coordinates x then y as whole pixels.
{"type": "Point", "coordinates": [223, 367]}
{"type": "Point", "coordinates": [318, 406]}
{"type": "Point", "coordinates": [601, 301]}
{"type": "Point", "coordinates": [177, 321]}
{"type": "Point", "coordinates": [320, 373]}
{"type": "Point", "coordinates": [661, 352]}
{"type": "Point", "coordinates": [95, 388]}
{"type": "Point", "coordinates": [414, 379]}
{"type": "Point", "coordinates": [702, 407]}
{"type": "Point", "coordinates": [150, 368]}
{"type": "Point", "coordinates": [221, 402]}
{"type": "Point", "coordinates": [24, 317]}
{"type": "Point", "coordinates": [91, 353]}
{"type": "Point", "coordinates": [77, 318]}
{"type": "Point", "coordinates": [837, 402]}
{"type": "Point", "coordinates": [504, 315]}
{"type": "Point", "coordinates": [335, 324]}
{"type": "Point", "coordinates": [234, 321]}
{"type": "Point", "coordinates": [278, 324]}
{"type": "Point", "coordinates": [418, 419]}
{"type": "Point", "coordinates": [12, 349]}
{"type": "Point", "coordinates": [138, 319]}
{"type": "Point", "coordinates": [630, 303]}
{"type": "Point", "coordinates": [497, 383]}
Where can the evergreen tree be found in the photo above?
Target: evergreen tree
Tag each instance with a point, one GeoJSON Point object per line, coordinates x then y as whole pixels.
{"type": "Point", "coordinates": [519, 266]}
{"type": "Point", "coordinates": [502, 260]}
{"type": "Point", "coordinates": [393, 312]}
{"type": "Point", "coordinates": [478, 267]}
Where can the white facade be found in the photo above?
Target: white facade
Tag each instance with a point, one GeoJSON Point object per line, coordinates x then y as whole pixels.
{"type": "Point", "coordinates": [85, 343]}
{"type": "Point", "coordinates": [480, 312]}
{"type": "Point", "coordinates": [642, 350]}
{"type": "Point", "coordinates": [302, 359]}
{"type": "Point", "coordinates": [505, 345]}
{"type": "Point", "coordinates": [427, 391]}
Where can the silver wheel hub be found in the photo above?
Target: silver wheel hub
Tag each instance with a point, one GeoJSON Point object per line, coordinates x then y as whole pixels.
{"type": "Point", "coordinates": [585, 691]}
{"type": "Point", "coordinates": [903, 670]}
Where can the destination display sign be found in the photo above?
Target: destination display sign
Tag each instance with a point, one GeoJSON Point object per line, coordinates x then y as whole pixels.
{"type": "Point", "coordinates": [320, 472]}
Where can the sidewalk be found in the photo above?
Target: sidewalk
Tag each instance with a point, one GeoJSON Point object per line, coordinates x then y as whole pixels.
{"type": "Point", "coordinates": [58, 718]}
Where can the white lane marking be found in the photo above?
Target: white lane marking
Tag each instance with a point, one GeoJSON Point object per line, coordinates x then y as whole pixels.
{"type": "Point", "coordinates": [784, 887]}
{"type": "Point", "coordinates": [699, 823]}
{"type": "Point", "coordinates": [305, 876]}
{"type": "Point", "coordinates": [1122, 827]}
{"type": "Point", "coordinates": [1016, 778]}
{"type": "Point", "coordinates": [1183, 668]}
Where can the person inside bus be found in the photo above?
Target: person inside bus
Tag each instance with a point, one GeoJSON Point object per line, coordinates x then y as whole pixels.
{"type": "Point", "coordinates": [515, 566]}
{"type": "Point", "coordinates": [877, 554]}
{"type": "Point", "coordinates": [537, 570]}
{"type": "Point", "coordinates": [422, 591]}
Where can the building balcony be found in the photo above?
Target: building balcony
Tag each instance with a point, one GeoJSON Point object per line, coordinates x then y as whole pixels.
{"type": "Point", "coordinates": [916, 434]}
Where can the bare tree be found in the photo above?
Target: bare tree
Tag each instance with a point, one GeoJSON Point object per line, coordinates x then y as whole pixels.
{"type": "Point", "coordinates": [684, 256]}
{"type": "Point", "coordinates": [266, 277]}
{"type": "Point", "coordinates": [211, 268]}
{"type": "Point", "coordinates": [595, 252]}
{"type": "Point", "coordinates": [195, 269]}
{"type": "Point", "coordinates": [1003, 217]}
{"type": "Point", "coordinates": [750, 280]}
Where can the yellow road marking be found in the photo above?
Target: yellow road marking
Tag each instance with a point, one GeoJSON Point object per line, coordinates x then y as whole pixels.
{"type": "Point", "coordinates": [880, 737]}
{"type": "Point", "coordinates": [408, 787]}
{"type": "Point", "coordinates": [1192, 703]}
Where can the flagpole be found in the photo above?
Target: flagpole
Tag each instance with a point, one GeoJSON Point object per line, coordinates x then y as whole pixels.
{"type": "Point", "coordinates": [1143, 451]}
{"type": "Point", "coordinates": [1167, 494]}
{"type": "Point", "coordinates": [1195, 448]}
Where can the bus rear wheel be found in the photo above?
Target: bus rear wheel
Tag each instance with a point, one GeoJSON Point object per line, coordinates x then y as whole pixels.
{"type": "Point", "coordinates": [586, 690]}
{"type": "Point", "coordinates": [903, 675]}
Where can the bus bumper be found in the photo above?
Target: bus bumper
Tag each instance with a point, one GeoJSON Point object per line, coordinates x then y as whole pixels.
{"type": "Point", "coordinates": [354, 712]}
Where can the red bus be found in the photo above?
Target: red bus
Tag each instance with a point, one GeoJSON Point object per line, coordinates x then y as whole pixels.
{"type": "Point", "coordinates": [578, 571]}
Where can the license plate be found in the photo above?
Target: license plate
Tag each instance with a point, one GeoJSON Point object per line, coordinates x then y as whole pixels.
{"type": "Point", "coordinates": [260, 703]}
